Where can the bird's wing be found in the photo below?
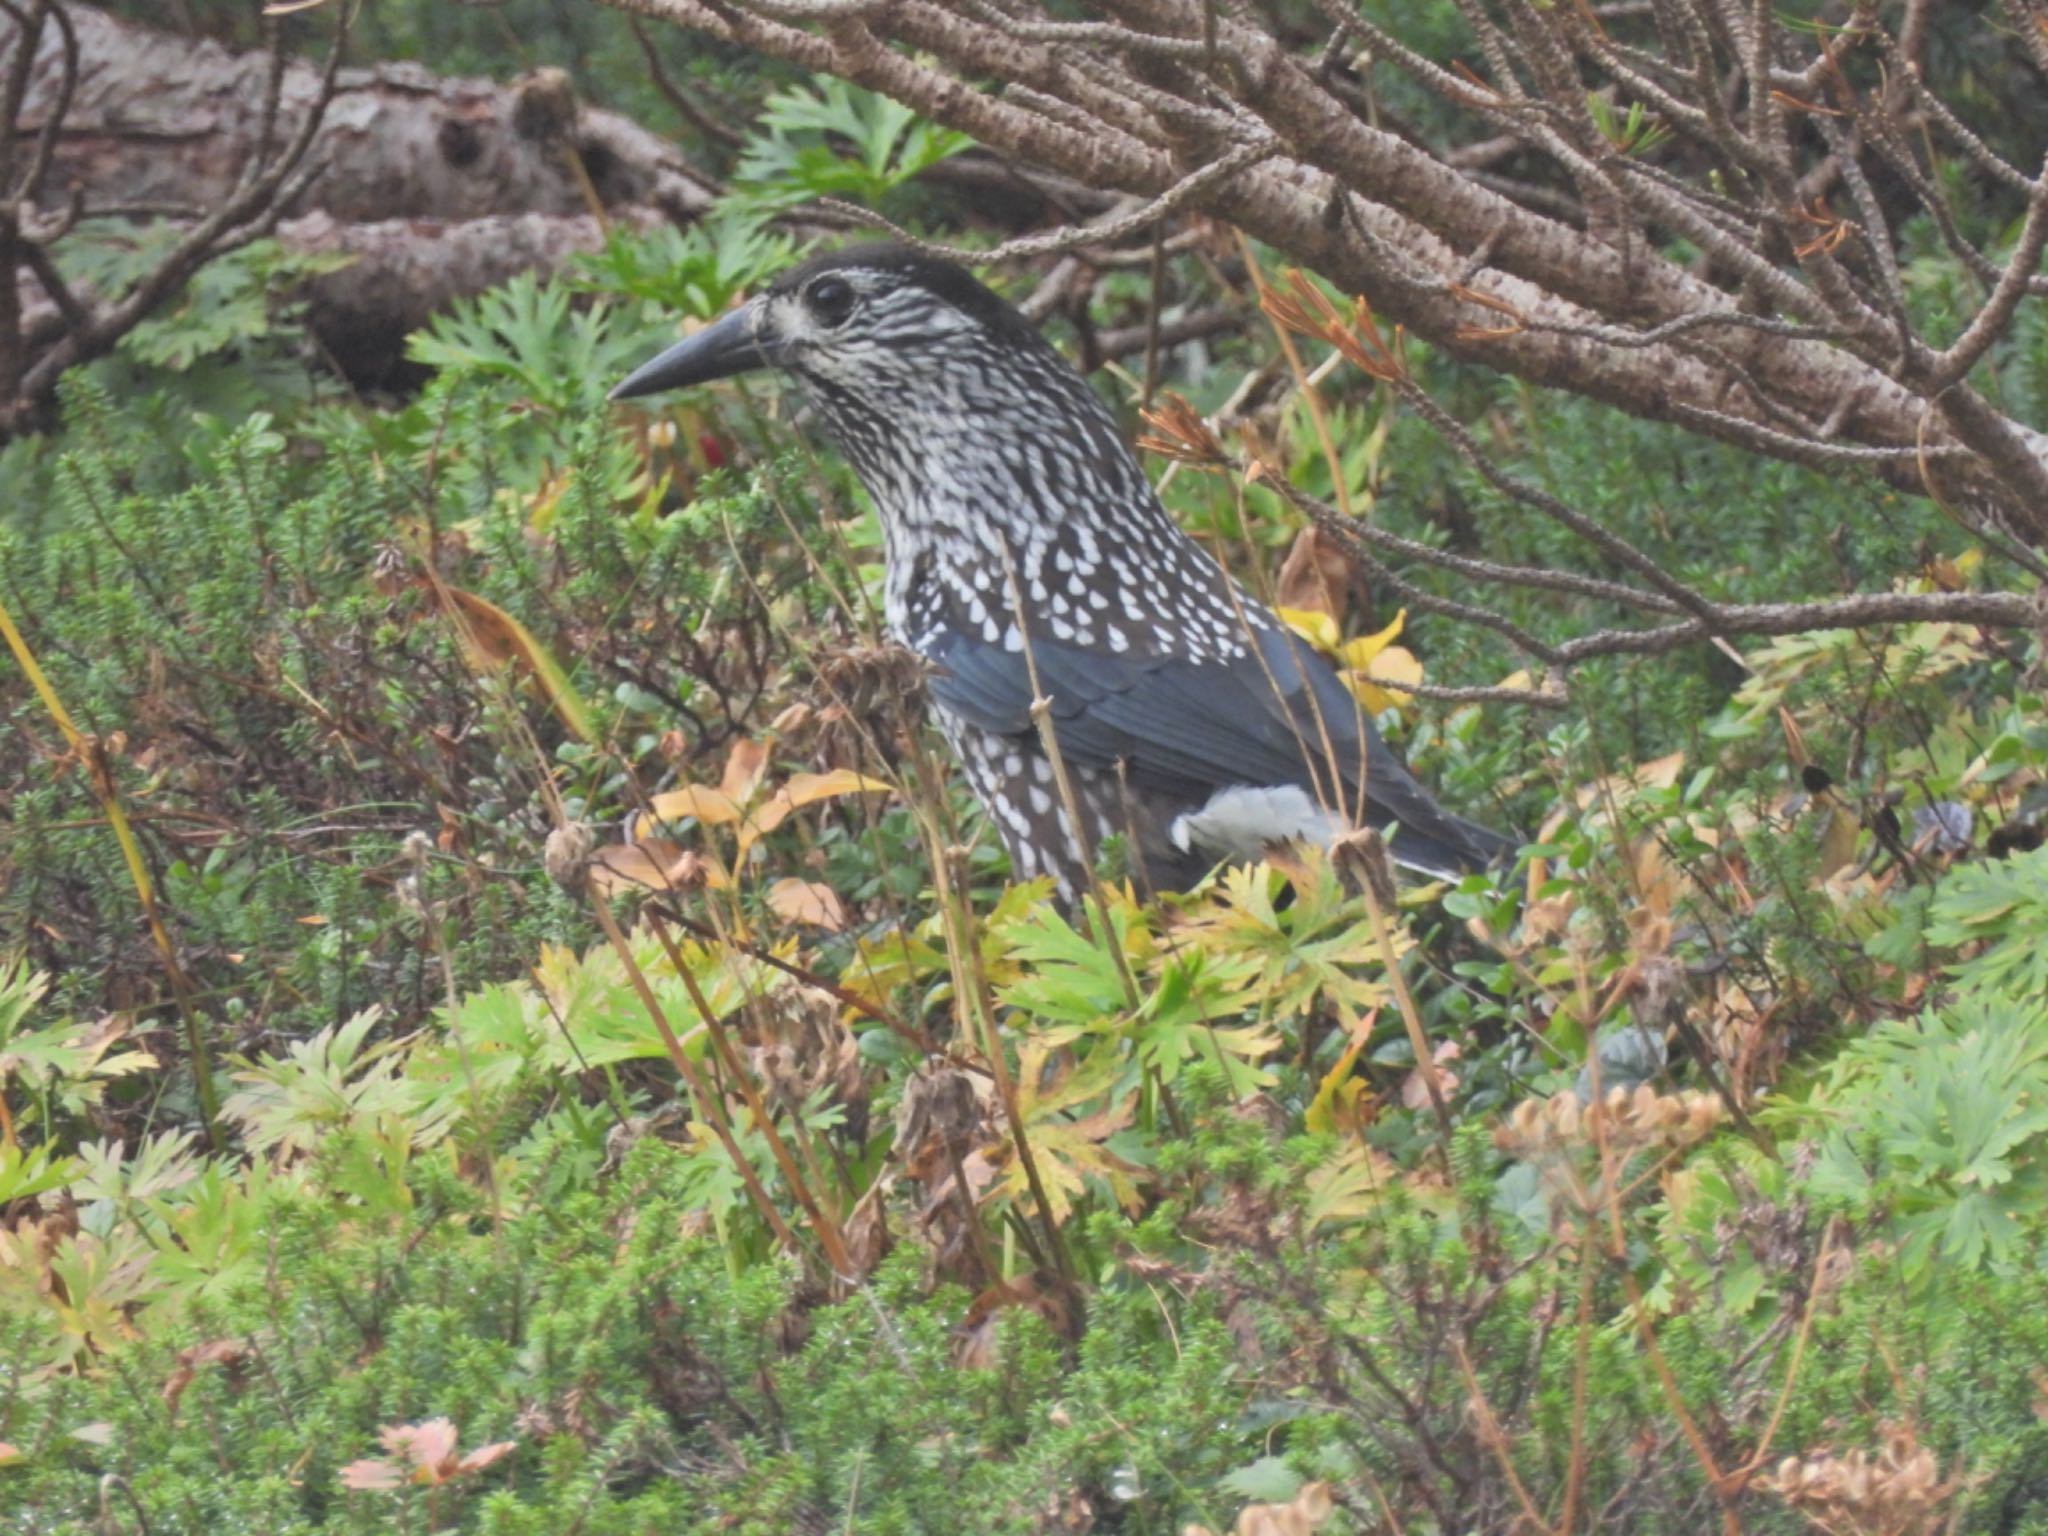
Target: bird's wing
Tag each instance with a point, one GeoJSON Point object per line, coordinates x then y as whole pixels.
{"type": "Point", "coordinates": [1278, 715]}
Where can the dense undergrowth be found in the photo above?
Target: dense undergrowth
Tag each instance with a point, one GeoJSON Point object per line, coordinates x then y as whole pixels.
{"type": "Point", "coordinates": [390, 1182]}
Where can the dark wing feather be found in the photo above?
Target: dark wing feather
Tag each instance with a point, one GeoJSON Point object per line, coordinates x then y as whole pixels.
{"type": "Point", "coordinates": [1278, 715]}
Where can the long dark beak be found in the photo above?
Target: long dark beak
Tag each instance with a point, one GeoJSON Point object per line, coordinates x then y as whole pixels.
{"type": "Point", "coordinates": [728, 346]}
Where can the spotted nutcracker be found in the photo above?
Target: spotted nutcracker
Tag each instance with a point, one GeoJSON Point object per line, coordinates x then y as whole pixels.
{"type": "Point", "coordinates": [1028, 556]}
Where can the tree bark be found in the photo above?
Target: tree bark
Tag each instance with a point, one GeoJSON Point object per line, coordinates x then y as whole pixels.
{"type": "Point", "coordinates": [159, 121]}
{"type": "Point", "coordinates": [438, 188]}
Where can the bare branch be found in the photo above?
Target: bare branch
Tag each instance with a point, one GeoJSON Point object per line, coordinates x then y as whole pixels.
{"type": "Point", "coordinates": [258, 201]}
{"type": "Point", "coordinates": [1122, 39]}
{"type": "Point", "coordinates": [1994, 610]}
{"type": "Point", "coordinates": [704, 122]}
{"type": "Point", "coordinates": [1717, 620]}
{"type": "Point", "coordinates": [1991, 322]}
{"type": "Point", "coordinates": [1605, 540]}
{"type": "Point", "coordinates": [1513, 575]}
{"type": "Point", "coordinates": [1104, 232]}
{"type": "Point", "coordinates": [21, 60]}
{"type": "Point", "coordinates": [1144, 99]}
{"type": "Point", "coordinates": [30, 185]}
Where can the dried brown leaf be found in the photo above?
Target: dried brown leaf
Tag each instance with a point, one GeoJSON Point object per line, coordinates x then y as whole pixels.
{"type": "Point", "coordinates": [651, 864]}
{"type": "Point", "coordinates": [808, 901]}
{"type": "Point", "coordinates": [744, 766]}
{"type": "Point", "coordinates": [226, 1352]}
{"type": "Point", "coordinates": [1181, 434]}
{"type": "Point", "coordinates": [1316, 576]}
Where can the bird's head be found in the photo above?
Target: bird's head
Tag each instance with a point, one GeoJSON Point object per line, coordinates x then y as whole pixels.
{"type": "Point", "coordinates": [860, 319]}
{"type": "Point", "coordinates": [908, 360]}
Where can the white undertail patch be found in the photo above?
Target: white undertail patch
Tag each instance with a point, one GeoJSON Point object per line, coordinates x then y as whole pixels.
{"type": "Point", "coordinates": [1241, 822]}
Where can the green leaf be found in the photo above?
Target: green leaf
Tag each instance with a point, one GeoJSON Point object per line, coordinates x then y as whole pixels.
{"type": "Point", "coordinates": [1069, 979]}
{"type": "Point", "coordinates": [33, 1171]}
{"type": "Point", "coordinates": [1269, 1480]}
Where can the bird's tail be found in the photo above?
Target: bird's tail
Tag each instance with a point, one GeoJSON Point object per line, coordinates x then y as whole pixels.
{"type": "Point", "coordinates": [1449, 847]}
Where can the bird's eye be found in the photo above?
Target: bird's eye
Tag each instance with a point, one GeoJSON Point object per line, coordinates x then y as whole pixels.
{"type": "Point", "coordinates": [831, 299]}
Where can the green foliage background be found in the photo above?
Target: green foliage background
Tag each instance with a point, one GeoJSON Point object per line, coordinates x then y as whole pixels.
{"type": "Point", "coordinates": [446, 1185]}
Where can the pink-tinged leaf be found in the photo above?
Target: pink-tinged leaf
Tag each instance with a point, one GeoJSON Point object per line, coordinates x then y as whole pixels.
{"type": "Point", "coordinates": [1415, 1087]}
{"type": "Point", "coordinates": [484, 1455]}
{"type": "Point", "coordinates": [227, 1352]}
{"type": "Point", "coordinates": [371, 1476]}
{"type": "Point", "coordinates": [429, 1444]}
{"type": "Point", "coordinates": [10, 1455]}
{"type": "Point", "coordinates": [1316, 575]}
{"type": "Point", "coordinates": [806, 901]}
{"type": "Point", "coordinates": [431, 1448]}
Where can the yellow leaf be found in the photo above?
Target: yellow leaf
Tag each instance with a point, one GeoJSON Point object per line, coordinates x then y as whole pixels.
{"type": "Point", "coordinates": [1349, 1186]}
{"type": "Point", "coordinates": [1377, 690]}
{"type": "Point", "coordinates": [1358, 654]}
{"type": "Point", "coordinates": [544, 501]}
{"type": "Point", "coordinates": [1838, 840]}
{"type": "Point", "coordinates": [1069, 1151]}
{"type": "Point", "coordinates": [711, 806]}
{"type": "Point", "coordinates": [1657, 773]}
{"type": "Point", "coordinates": [806, 901]}
{"type": "Point", "coordinates": [805, 789]}
{"type": "Point", "coordinates": [1314, 626]}
{"type": "Point", "coordinates": [1339, 1090]}
{"type": "Point", "coordinates": [1795, 738]}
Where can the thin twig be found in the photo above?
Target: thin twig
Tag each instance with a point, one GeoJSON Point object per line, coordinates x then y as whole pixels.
{"type": "Point", "coordinates": [1104, 232]}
